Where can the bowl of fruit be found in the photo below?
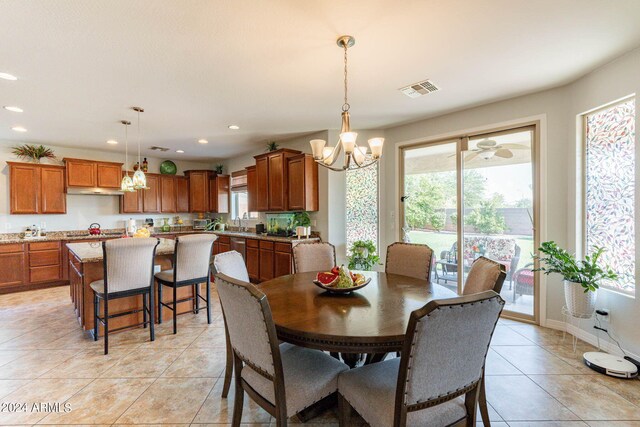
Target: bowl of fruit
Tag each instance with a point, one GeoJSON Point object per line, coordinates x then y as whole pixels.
{"type": "Point", "coordinates": [341, 281]}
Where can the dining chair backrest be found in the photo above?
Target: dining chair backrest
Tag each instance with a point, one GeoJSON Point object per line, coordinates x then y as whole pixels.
{"type": "Point", "coordinates": [409, 259]}
{"type": "Point", "coordinates": [192, 256]}
{"type": "Point", "coordinates": [252, 332]}
{"type": "Point", "coordinates": [128, 263]}
{"type": "Point", "coordinates": [231, 264]}
{"type": "Point", "coordinates": [313, 256]}
{"type": "Point", "coordinates": [445, 349]}
{"type": "Point", "coordinates": [484, 275]}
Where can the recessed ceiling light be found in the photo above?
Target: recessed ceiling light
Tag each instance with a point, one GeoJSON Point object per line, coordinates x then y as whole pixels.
{"type": "Point", "coordinates": [19, 129]}
{"type": "Point", "coordinates": [180, 151]}
{"type": "Point", "coordinates": [14, 109]}
{"type": "Point", "coordinates": [112, 142]}
{"type": "Point", "coordinates": [234, 127]}
{"type": "Point", "coordinates": [203, 141]}
{"type": "Point", "coordinates": [8, 76]}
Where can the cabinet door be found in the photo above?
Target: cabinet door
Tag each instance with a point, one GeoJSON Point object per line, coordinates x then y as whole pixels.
{"type": "Point", "coordinates": [282, 263]}
{"type": "Point", "coordinates": [213, 195]}
{"type": "Point", "coordinates": [24, 189]}
{"type": "Point", "coordinates": [266, 264]}
{"type": "Point", "coordinates": [182, 194]}
{"type": "Point", "coordinates": [224, 247]}
{"type": "Point", "coordinates": [262, 184]}
{"type": "Point", "coordinates": [296, 184]}
{"type": "Point", "coordinates": [109, 175]}
{"type": "Point", "coordinates": [222, 182]}
{"type": "Point", "coordinates": [253, 260]}
{"type": "Point", "coordinates": [251, 189]}
{"type": "Point", "coordinates": [199, 191]}
{"type": "Point", "coordinates": [13, 268]}
{"type": "Point", "coordinates": [277, 199]}
{"type": "Point", "coordinates": [131, 202]}
{"type": "Point", "coordinates": [81, 173]}
{"type": "Point", "coordinates": [167, 194]}
{"type": "Point", "coordinates": [53, 199]}
{"type": "Point", "coordinates": [151, 197]}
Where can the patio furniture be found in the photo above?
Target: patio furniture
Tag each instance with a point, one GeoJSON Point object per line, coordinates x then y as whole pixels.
{"type": "Point", "coordinates": [438, 378]}
{"type": "Point", "coordinates": [523, 280]}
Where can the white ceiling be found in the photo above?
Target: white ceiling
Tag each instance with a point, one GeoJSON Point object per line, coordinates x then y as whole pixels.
{"type": "Point", "coordinates": [273, 68]}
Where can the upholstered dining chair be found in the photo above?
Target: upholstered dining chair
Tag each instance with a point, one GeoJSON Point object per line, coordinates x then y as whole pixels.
{"type": "Point", "coordinates": [409, 259]}
{"type": "Point", "coordinates": [313, 256]}
{"type": "Point", "coordinates": [231, 264]}
{"type": "Point", "coordinates": [191, 267]}
{"type": "Point", "coordinates": [484, 275]}
{"type": "Point", "coordinates": [128, 271]}
{"type": "Point", "coordinates": [437, 380]}
{"type": "Point", "coordinates": [282, 378]}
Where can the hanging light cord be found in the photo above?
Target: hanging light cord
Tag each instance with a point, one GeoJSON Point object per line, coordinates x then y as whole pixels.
{"type": "Point", "coordinates": [139, 137]}
{"type": "Point", "coordinates": [345, 106]}
{"type": "Point", "coordinates": [126, 149]}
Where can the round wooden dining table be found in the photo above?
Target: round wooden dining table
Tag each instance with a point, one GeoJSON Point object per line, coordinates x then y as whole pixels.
{"type": "Point", "coordinates": [370, 320]}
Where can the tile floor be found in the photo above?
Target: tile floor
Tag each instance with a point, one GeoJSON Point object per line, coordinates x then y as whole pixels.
{"type": "Point", "coordinates": [533, 376]}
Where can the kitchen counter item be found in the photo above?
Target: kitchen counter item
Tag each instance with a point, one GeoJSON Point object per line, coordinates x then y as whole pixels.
{"type": "Point", "coordinates": [259, 228]}
{"type": "Point", "coordinates": [94, 229]}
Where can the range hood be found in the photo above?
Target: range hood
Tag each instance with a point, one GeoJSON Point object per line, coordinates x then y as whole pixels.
{"type": "Point", "coordinates": [95, 191]}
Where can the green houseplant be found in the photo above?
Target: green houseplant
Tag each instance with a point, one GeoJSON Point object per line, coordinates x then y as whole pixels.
{"type": "Point", "coordinates": [363, 255]}
{"type": "Point", "coordinates": [272, 146]}
{"type": "Point", "coordinates": [33, 152]}
{"type": "Point", "coordinates": [581, 277]}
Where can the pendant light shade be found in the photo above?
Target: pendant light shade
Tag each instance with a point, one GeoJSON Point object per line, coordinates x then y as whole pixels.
{"type": "Point", "coordinates": [126, 185]}
{"type": "Point", "coordinates": [139, 178]}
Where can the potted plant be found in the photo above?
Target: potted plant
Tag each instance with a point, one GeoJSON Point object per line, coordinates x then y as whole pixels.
{"type": "Point", "coordinates": [272, 146]}
{"type": "Point", "coordinates": [219, 168]}
{"type": "Point", "coordinates": [33, 152]}
{"type": "Point", "coordinates": [363, 255]}
{"type": "Point", "coordinates": [581, 277]}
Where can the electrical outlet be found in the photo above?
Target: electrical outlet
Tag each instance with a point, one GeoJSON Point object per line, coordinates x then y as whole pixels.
{"type": "Point", "coordinates": [603, 314]}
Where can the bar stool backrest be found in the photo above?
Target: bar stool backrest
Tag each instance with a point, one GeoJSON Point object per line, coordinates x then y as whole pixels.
{"type": "Point", "coordinates": [128, 263]}
{"type": "Point", "coordinates": [193, 256]}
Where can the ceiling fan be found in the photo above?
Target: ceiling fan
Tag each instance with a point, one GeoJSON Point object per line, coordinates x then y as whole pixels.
{"type": "Point", "coordinates": [487, 148]}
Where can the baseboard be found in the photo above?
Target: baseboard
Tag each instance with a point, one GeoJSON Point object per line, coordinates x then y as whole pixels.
{"type": "Point", "coordinates": [605, 344]}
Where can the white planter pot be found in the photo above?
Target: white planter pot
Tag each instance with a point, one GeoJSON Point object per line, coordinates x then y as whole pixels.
{"type": "Point", "coordinates": [579, 303]}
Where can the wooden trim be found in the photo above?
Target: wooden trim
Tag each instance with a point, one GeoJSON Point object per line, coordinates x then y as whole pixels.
{"type": "Point", "coordinates": [278, 151]}
{"type": "Point", "coordinates": [65, 159]}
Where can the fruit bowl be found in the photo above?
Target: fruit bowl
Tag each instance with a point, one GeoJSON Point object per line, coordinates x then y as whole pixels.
{"type": "Point", "coordinates": [342, 290]}
{"type": "Point", "coordinates": [330, 280]}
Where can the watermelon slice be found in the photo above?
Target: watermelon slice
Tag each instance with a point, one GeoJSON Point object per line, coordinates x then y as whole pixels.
{"type": "Point", "coordinates": [328, 279]}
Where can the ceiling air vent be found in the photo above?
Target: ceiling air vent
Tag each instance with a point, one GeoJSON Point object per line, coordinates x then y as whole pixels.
{"type": "Point", "coordinates": [154, 148]}
{"type": "Point", "coordinates": [418, 89]}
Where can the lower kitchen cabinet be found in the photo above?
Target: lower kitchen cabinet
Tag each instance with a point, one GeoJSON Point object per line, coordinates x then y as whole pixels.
{"type": "Point", "coordinates": [45, 262]}
{"type": "Point", "coordinates": [252, 259]}
{"type": "Point", "coordinates": [282, 259]}
{"type": "Point", "coordinates": [266, 260]}
{"type": "Point", "coordinates": [12, 259]}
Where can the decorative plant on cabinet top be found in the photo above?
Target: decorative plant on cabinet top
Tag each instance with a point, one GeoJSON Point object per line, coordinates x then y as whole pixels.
{"type": "Point", "coordinates": [33, 152]}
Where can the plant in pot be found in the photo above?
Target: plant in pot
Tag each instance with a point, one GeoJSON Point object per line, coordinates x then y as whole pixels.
{"type": "Point", "coordinates": [33, 152]}
{"type": "Point", "coordinates": [363, 255]}
{"type": "Point", "coordinates": [219, 168]}
{"type": "Point", "coordinates": [302, 219]}
{"type": "Point", "coordinates": [216, 224]}
{"type": "Point", "coordinates": [581, 277]}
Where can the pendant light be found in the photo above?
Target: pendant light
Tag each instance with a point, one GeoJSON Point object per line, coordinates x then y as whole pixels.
{"type": "Point", "coordinates": [139, 179]}
{"type": "Point", "coordinates": [354, 156]}
{"type": "Point", "coordinates": [127, 184]}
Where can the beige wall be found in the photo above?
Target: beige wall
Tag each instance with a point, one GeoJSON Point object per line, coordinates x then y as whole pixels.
{"type": "Point", "coordinates": [82, 210]}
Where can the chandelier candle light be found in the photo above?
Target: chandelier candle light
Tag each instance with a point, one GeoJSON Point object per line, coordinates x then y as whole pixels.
{"type": "Point", "coordinates": [127, 184]}
{"type": "Point", "coordinates": [354, 155]}
{"type": "Point", "coordinates": [139, 179]}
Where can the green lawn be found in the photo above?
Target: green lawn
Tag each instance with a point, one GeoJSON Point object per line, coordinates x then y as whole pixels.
{"type": "Point", "coordinates": [443, 242]}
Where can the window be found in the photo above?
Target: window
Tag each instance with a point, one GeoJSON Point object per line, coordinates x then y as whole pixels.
{"type": "Point", "coordinates": [239, 205]}
{"type": "Point", "coordinates": [362, 205]}
{"type": "Point", "coordinates": [609, 190]}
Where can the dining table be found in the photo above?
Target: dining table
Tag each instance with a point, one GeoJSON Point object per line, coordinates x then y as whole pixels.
{"type": "Point", "coordinates": [371, 320]}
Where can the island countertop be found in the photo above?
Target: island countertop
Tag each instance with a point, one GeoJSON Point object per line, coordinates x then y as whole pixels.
{"type": "Point", "coordinates": [87, 252]}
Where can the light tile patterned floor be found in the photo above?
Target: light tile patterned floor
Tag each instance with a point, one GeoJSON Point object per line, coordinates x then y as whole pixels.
{"type": "Point", "coordinates": [533, 376]}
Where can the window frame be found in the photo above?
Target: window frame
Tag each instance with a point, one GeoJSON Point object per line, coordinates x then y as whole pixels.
{"type": "Point", "coordinates": [377, 165]}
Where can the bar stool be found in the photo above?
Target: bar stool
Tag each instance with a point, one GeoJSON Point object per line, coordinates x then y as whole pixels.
{"type": "Point", "coordinates": [191, 266]}
{"type": "Point", "coordinates": [128, 271]}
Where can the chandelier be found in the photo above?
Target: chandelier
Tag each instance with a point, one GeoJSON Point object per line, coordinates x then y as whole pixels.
{"type": "Point", "coordinates": [127, 184]}
{"type": "Point", "coordinates": [355, 156]}
{"type": "Point", "coordinates": [139, 179]}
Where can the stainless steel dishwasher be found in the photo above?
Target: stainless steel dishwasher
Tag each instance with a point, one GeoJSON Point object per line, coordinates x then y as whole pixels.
{"type": "Point", "coordinates": [239, 244]}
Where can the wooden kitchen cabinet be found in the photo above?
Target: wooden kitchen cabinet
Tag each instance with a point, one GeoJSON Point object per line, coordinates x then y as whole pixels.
{"type": "Point", "coordinates": [36, 189]}
{"type": "Point", "coordinates": [252, 259]}
{"type": "Point", "coordinates": [12, 259]}
{"type": "Point", "coordinates": [131, 202]}
{"type": "Point", "coordinates": [199, 181]}
{"type": "Point", "coordinates": [109, 175]}
{"type": "Point", "coordinates": [219, 194]}
{"type": "Point", "coordinates": [252, 189]}
{"type": "Point", "coordinates": [272, 179]}
{"type": "Point", "coordinates": [282, 258]}
{"type": "Point", "coordinates": [45, 262]}
{"type": "Point", "coordinates": [168, 196]}
{"type": "Point", "coordinates": [262, 184]}
{"type": "Point", "coordinates": [266, 260]}
{"type": "Point", "coordinates": [182, 194]}
{"type": "Point", "coordinates": [302, 175]}
{"type": "Point", "coordinates": [224, 244]}
{"type": "Point", "coordinates": [81, 173]}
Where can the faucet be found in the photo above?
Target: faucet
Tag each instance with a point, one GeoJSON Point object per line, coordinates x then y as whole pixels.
{"type": "Point", "coordinates": [238, 222]}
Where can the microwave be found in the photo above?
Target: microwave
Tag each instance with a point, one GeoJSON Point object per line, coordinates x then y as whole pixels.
{"type": "Point", "coordinates": [200, 224]}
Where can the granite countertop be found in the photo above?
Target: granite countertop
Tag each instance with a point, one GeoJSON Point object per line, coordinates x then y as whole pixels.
{"type": "Point", "coordinates": [92, 251]}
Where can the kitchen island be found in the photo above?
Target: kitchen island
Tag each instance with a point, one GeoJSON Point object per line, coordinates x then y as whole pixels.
{"type": "Point", "coordinates": [86, 266]}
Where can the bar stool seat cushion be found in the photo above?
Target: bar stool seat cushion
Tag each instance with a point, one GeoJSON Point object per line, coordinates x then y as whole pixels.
{"type": "Point", "coordinates": [98, 286]}
{"type": "Point", "coordinates": [309, 376]}
{"type": "Point", "coordinates": [371, 390]}
{"type": "Point", "coordinates": [165, 276]}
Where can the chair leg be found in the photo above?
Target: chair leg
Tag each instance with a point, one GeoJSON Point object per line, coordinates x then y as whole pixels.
{"type": "Point", "coordinates": [175, 310]}
{"type": "Point", "coordinates": [344, 411]}
{"type": "Point", "coordinates": [106, 325]}
{"type": "Point", "coordinates": [152, 314]}
{"type": "Point", "coordinates": [228, 369]}
{"type": "Point", "coordinates": [160, 286]}
{"type": "Point", "coordinates": [208, 295]}
{"type": "Point", "coordinates": [239, 395]}
{"type": "Point", "coordinates": [196, 296]}
{"type": "Point", "coordinates": [482, 403]}
{"type": "Point", "coordinates": [145, 307]}
{"type": "Point", "coordinates": [471, 403]}
{"type": "Point", "coordinates": [96, 312]}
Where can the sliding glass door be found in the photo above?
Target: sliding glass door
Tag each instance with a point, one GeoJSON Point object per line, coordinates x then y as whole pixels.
{"type": "Point", "coordinates": [476, 196]}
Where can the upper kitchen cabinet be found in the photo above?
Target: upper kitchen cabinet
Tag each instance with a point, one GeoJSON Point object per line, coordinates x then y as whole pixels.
{"type": "Point", "coordinates": [302, 193]}
{"type": "Point", "coordinates": [219, 194]}
{"type": "Point", "coordinates": [174, 194]}
{"type": "Point", "coordinates": [151, 196]}
{"type": "Point", "coordinates": [199, 190]}
{"type": "Point", "coordinates": [272, 179]}
{"type": "Point", "coordinates": [182, 194]}
{"type": "Point", "coordinates": [252, 189]}
{"type": "Point", "coordinates": [164, 194]}
{"type": "Point", "coordinates": [36, 189]}
{"type": "Point", "coordinates": [83, 173]}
